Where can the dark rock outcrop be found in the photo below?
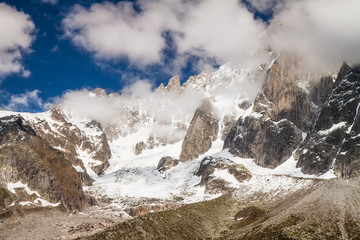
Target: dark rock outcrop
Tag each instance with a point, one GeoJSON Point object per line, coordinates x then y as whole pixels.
{"type": "Point", "coordinates": [269, 143]}
{"type": "Point", "coordinates": [166, 163]}
{"type": "Point", "coordinates": [281, 111]}
{"type": "Point", "coordinates": [203, 130]}
{"type": "Point", "coordinates": [215, 185]}
{"type": "Point", "coordinates": [321, 90]}
{"type": "Point", "coordinates": [28, 158]}
{"type": "Point", "coordinates": [333, 141]}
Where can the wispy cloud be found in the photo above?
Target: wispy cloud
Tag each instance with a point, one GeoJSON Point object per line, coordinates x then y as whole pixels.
{"type": "Point", "coordinates": [54, 2]}
{"type": "Point", "coordinates": [27, 101]}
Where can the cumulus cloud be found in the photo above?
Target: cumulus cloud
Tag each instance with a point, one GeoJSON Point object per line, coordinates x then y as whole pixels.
{"type": "Point", "coordinates": [16, 36]}
{"type": "Point", "coordinates": [206, 33]}
{"type": "Point", "coordinates": [113, 30]}
{"type": "Point", "coordinates": [82, 104]}
{"type": "Point", "coordinates": [224, 30]}
{"type": "Point", "coordinates": [220, 30]}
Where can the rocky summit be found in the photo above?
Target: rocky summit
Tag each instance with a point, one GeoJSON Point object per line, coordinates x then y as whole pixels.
{"type": "Point", "coordinates": [204, 159]}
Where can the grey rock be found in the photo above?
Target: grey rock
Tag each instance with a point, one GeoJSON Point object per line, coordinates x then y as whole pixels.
{"type": "Point", "coordinates": [139, 147]}
{"type": "Point", "coordinates": [326, 145]}
{"type": "Point", "coordinates": [166, 163]}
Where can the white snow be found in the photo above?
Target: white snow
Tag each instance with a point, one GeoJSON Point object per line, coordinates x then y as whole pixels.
{"type": "Point", "coordinates": [131, 176]}
{"type": "Point", "coordinates": [225, 175]}
{"type": "Point", "coordinates": [11, 187]}
{"type": "Point", "coordinates": [351, 126]}
{"type": "Point", "coordinates": [333, 128]}
{"type": "Point", "coordinates": [78, 168]}
{"type": "Point", "coordinates": [88, 161]}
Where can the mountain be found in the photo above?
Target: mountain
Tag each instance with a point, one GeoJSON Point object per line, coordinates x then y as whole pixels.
{"type": "Point", "coordinates": [269, 140]}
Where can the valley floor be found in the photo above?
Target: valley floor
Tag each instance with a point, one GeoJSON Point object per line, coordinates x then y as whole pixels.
{"type": "Point", "coordinates": [328, 209]}
{"type": "Point", "coordinates": [325, 209]}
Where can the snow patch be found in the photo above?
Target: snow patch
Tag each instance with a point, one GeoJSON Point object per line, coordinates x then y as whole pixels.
{"type": "Point", "coordinates": [225, 175]}
{"type": "Point", "coordinates": [333, 128]}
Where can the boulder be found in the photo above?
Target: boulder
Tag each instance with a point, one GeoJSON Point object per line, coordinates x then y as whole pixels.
{"type": "Point", "coordinates": [166, 163]}
{"type": "Point", "coordinates": [214, 184]}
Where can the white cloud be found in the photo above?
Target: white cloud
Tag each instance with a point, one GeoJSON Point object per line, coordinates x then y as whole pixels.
{"type": "Point", "coordinates": [265, 6]}
{"type": "Point", "coordinates": [53, 2]}
{"type": "Point", "coordinates": [24, 101]}
{"type": "Point", "coordinates": [224, 30]}
{"type": "Point", "coordinates": [111, 31]}
{"type": "Point", "coordinates": [140, 88]}
{"type": "Point", "coordinates": [323, 32]}
{"type": "Point", "coordinates": [220, 30]}
{"type": "Point", "coordinates": [16, 36]}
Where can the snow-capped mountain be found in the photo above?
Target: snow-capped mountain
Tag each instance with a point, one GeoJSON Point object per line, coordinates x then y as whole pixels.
{"type": "Point", "coordinates": [267, 132]}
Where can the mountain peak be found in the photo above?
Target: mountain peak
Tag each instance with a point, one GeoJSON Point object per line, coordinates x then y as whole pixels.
{"type": "Point", "coordinates": [174, 83]}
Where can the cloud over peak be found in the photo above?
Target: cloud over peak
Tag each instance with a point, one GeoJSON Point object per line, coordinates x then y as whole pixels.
{"type": "Point", "coordinates": [323, 32]}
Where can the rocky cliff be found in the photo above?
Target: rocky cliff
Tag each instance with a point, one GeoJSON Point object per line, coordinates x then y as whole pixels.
{"type": "Point", "coordinates": [27, 158]}
{"type": "Point", "coordinates": [273, 127]}
{"type": "Point", "coordinates": [318, 121]}
{"type": "Point", "coordinates": [333, 141]}
{"type": "Point", "coordinates": [65, 136]}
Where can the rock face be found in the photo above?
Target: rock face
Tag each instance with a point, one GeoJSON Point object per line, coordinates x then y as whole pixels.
{"type": "Point", "coordinates": [269, 143]}
{"type": "Point", "coordinates": [68, 138]}
{"type": "Point", "coordinates": [203, 130]}
{"type": "Point", "coordinates": [283, 92]}
{"type": "Point", "coordinates": [166, 163]}
{"type": "Point", "coordinates": [280, 113]}
{"type": "Point", "coordinates": [28, 158]}
{"type": "Point", "coordinates": [333, 141]}
{"type": "Point", "coordinates": [215, 184]}
{"type": "Point", "coordinates": [321, 122]}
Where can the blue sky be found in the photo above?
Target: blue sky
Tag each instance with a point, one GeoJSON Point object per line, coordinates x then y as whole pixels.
{"type": "Point", "coordinates": [62, 45]}
{"type": "Point", "coordinates": [57, 65]}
